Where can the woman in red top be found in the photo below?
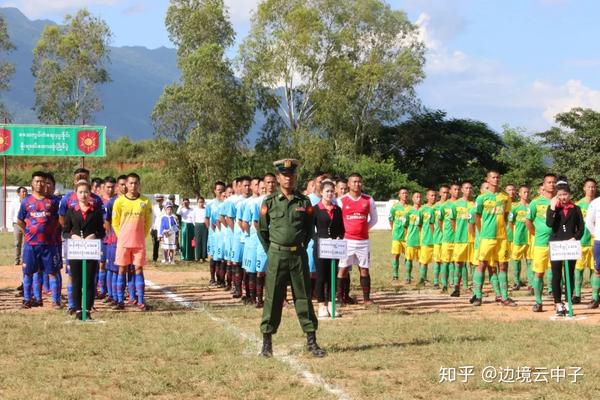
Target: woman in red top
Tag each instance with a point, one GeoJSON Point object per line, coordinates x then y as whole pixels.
{"type": "Point", "coordinates": [84, 221]}
{"type": "Point", "coordinates": [329, 225]}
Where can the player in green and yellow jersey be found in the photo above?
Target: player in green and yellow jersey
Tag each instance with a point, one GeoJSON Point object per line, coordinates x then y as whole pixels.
{"type": "Point", "coordinates": [536, 224]}
{"type": "Point", "coordinates": [475, 255]}
{"type": "Point", "coordinates": [413, 233]}
{"type": "Point", "coordinates": [531, 275]}
{"type": "Point", "coordinates": [474, 232]}
{"type": "Point", "coordinates": [492, 209]}
{"type": "Point", "coordinates": [587, 258]}
{"type": "Point", "coordinates": [426, 246]}
{"type": "Point", "coordinates": [520, 243]}
{"type": "Point", "coordinates": [511, 191]}
{"type": "Point", "coordinates": [397, 220]}
{"type": "Point", "coordinates": [444, 192]}
{"type": "Point", "coordinates": [447, 223]}
{"type": "Point", "coordinates": [460, 253]}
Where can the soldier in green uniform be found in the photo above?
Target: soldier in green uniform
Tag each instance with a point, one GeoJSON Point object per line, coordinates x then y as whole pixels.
{"type": "Point", "coordinates": [285, 227]}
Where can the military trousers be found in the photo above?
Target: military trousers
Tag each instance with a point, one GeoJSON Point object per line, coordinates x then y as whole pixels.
{"type": "Point", "coordinates": [285, 267]}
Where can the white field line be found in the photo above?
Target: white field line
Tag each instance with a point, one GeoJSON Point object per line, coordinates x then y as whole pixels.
{"type": "Point", "coordinates": [309, 377]}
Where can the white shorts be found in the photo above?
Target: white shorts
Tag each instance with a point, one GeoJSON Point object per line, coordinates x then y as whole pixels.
{"type": "Point", "coordinates": [359, 253]}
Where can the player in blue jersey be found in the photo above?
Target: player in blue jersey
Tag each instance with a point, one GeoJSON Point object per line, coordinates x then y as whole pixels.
{"type": "Point", "coordinates": [56, 241]}
{"type": "Point", "coordinates": [109, 245]}
{"type": "Point", "coordinates": [237, 245]}
{"type": "Point", "coordinates": [50, 185]}
{"type": "Point", "coordinates": [212, 217]}
{"type": "Point", "coordinates": [227, 217]}
{"type": "Point", "coordinates": [38, 217]}
{"type": "Point", "coordinates": [248, 237]}
{"type": "Point", "coordinates": [270, 184]}
{"type": "Point", "coordinates": [221, 238]}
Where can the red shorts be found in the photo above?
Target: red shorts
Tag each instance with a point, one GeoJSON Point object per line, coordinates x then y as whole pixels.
{"type": "Point", "coordinates": [130, 255]}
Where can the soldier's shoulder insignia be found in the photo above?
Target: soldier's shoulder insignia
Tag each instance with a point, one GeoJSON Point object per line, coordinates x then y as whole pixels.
{"type": "Point", "coordinates": [264, 209]}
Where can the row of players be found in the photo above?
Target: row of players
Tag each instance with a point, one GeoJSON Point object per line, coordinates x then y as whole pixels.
{"type": "Point", "coordinates": [127, 218]}
{"type": "Point", "coordinates": [489, 232]}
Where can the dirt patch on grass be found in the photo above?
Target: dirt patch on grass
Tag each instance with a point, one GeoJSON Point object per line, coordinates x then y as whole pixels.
{"type": "Point", "coordinates": [192, 286]}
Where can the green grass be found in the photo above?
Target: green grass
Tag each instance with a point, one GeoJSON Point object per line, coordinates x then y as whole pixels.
{"type": "Point", "coordinates": [175, 353]}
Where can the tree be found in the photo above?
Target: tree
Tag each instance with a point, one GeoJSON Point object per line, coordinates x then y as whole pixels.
{"type": "Point", "coordinates": [574, 146]}
{"type": "Point", "coordinates": [203, 119]}
{"type": "Point", "coordinates": [433, 150]}
{"type": "Point", "coordinates": [372, 82]}
{"type": "Point", "coordinates": [68, 64]}
{"type": "Point", "coordinates": [333, 69]}
{"type": "Point", "coordinates": [523, 157]}
{"type": "Point", "coordinates": [6, 68]}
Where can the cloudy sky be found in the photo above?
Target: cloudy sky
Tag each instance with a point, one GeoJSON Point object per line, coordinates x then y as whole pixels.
{"type": "Point", "coordinates": [516, 62]}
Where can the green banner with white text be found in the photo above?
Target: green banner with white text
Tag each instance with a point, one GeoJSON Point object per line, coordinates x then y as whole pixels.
{"type": "Point", "coordinates": [52, 140]}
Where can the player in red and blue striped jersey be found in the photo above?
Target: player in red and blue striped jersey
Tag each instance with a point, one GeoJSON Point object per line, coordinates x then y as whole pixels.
{"type": "Point", "coordinates": [38, 217]}
{"type": "Point", "coordinates": [56, 241]}
{"type": "Point", "coordinates": [107, 266]}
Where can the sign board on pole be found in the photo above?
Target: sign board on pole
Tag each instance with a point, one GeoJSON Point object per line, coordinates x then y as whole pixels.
{"type": "Point", "coordinates": [332, 248]}
{"type": "Point", "coordinates": [52, 140]}
{"type": "Point", "coordinates": [84, 249]}
{"type": "Point", "coordinates": [565, 250]}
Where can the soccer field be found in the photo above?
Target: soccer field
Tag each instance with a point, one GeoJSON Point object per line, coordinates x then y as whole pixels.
{"type": "Point", "coordinates": [199, 343]}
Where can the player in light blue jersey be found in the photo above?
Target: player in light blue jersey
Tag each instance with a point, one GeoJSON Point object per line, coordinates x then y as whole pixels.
{"type": "Point", "coordinates": [211, 218]}
{"type": "Point", "coordinates": [227, 216]}
{"type": "Point", "coordinates": [237, 244]}
{"type": "Point", "coordinates": [220, 238]}
{"type": "Point", "coordinates": [250, 239]}
{"type": "Point", "coordinates": [270, 184]}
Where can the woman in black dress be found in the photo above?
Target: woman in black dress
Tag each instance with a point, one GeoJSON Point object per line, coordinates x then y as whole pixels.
{"type": "Point", "coordinates": [566, 220]}
{"type": "Point", "coordinates": [84, 221]}
{"type": "Point", "coordinates": [329, 225]}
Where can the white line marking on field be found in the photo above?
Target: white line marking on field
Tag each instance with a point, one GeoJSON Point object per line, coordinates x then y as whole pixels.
{"type": "Point", "coordinates": [310, 377]}
{"type": "Point", "coordinates": [567, 318]}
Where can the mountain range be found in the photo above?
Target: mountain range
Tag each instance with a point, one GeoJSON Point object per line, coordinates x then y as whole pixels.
{"type": "Point", "coordinates": [138, 76]}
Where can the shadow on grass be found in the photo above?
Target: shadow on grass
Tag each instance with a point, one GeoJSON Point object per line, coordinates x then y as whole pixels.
{"type": "Point", "coordinates": [415, 342]}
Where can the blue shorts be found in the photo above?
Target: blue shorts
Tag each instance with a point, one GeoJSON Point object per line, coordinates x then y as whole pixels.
{"type": "Point", "coordinates": [311, 256]}
{"type": "Point", "coordinates": [110, 254]}
{"type": "Point", "coordinates": [237, 250]}
{"type": "Point", "coordinates": [261, 259]}
{"type": "Point", "coordinates": [249, 263]}
{"type": "Point", "coordinates": [218, 246]}
{"type": "Point", "coordinates": [209, 242]}
{"type": "Point", "coordinates": [103, 254]}
{"type": "Point", "coordinates": [227, 238]}
{"type": "Point", "coordinates": [43, 258]}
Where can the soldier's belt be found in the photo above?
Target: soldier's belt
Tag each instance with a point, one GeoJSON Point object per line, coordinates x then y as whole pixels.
{"type": "Point", "coordinates": [286, 248]}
